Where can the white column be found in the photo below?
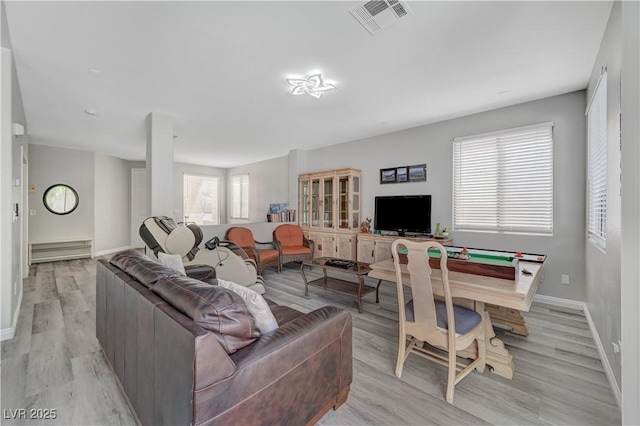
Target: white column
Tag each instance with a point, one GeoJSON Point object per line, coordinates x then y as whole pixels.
{"type": "Point", "coordinates": [7, 293]}
{"type": "Point", "coordinates": [630, 318]}
{"type": "Point", "coordinates": [160, 164]}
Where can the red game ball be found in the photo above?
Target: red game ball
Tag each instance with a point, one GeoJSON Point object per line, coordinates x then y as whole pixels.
{"type": "Point", "coordinates": [519, 254]}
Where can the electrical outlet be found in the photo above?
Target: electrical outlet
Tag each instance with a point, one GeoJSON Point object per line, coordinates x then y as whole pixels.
{"type": "Point", "coordinates": [565, 279]}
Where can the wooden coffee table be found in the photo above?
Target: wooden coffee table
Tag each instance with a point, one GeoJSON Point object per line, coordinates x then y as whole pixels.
{"type": "Point", "coordinates": [339, 285]}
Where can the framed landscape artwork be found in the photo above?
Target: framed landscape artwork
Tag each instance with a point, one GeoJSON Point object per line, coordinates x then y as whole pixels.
{"type": "Point", "coordinates": [388, 175]}
{"type": "Point", "coordinates": [404, 174]}
{"type": "Point", "coordinates": [418, 173]}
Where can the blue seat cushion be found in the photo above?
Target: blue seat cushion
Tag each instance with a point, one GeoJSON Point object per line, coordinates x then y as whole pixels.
{"type": "Point", "coordinates": [466, 319]}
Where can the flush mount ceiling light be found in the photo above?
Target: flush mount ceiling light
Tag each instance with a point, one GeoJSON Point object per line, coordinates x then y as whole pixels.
{"type": "Point", "coordinates": [312, 85]}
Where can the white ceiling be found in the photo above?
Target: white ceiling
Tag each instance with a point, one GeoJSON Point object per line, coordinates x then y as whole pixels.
{"type": "Point", "coordinates": [220, 68]}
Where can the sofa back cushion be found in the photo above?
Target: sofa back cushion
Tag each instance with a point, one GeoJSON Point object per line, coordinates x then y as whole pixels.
{"type": "Point", "coordinates": [213, 308]}
{"type": "Point", "coordinates": [143, 269]}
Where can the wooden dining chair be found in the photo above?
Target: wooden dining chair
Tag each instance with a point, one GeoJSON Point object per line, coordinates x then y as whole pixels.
{"type": "Point", "coordinates": [426, 319]}
{"type": "Point", "coordinates": [265, 254]}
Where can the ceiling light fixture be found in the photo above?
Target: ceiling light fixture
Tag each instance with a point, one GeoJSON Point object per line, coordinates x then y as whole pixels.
{"type": "Point", "coordinates": [312, 85]}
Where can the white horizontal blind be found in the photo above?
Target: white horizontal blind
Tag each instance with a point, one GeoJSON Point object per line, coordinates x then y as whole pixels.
{"type": "Point", "coordinates": [240, 196]}
{"type": "Point", "coordinates": [503, 181]}
{"type": "Point", "coordinates": [597, 163]}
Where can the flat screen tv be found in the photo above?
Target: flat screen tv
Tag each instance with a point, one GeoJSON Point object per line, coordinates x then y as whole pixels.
{"type": "Point", "coordinates": [403, 214]}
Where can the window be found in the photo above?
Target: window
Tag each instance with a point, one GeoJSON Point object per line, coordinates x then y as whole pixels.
{"type": "Point", "coordinates": [240, 196]}
{"type": "Point", "coordinates": [201, 200]}
{"type": "Point", "coordinates": [503, 181]}
{"type": "Point", "coordinates": [597, 164]}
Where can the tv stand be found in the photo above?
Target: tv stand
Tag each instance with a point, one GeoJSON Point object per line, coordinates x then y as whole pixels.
{"type": "Point", "coordinates": [375, 247]}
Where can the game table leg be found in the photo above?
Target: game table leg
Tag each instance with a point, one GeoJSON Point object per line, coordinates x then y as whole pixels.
{"type": "Point", "coordinates": [512, 319]}
{"type": "Point", "coordinates": [498, 358]}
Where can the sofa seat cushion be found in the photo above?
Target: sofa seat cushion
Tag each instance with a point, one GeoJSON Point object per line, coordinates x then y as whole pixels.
{"type": "Point", "coordinates": [295, 250]}
{"type": "Point", "coordinates": [213, 308]}
{"type": "Point", "coordinates": [143, 269]}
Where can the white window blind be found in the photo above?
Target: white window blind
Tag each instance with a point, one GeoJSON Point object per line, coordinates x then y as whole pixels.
{"type": "Point", "coordinates": [597, 163]}
{"type": "Point", "coordinates": [240, 196]}
{"type": "Point", "coordinates": [503, 181]}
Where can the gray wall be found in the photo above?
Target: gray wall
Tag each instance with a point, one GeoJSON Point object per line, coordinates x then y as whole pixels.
{"type": "Point", "coordinates": [112, 203]}
{"type": "Point", "coordinates": [49, 166]}
{"type": "Point", "coordinates": [268, 183]}
{"type": "Point", "coordinates": [603, 268]}
{"type": "Point", "coordinates": [432, 144]}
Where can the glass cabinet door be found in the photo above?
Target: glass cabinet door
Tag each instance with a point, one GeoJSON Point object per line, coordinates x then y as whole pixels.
{"type": "Point", "coordinates": [327, 204]}
{"type": "Point", "coordinates": [355, 205]}
{"type": "Point", "coordinates": [316, 203]}
{"type": "Point", "coordinates": [343, 202]}
{"type": "Point", "coordinates": [305, 202]}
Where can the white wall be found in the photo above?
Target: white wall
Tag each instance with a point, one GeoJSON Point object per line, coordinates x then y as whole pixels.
{"type": "Point", "coordinates": [603, 269]}
{"type": "Point", "coordinates": [268, 184]}
{"type": "Point", "coordinates": [112, 203]}
{"type": "Point", "coordinates": [432, 144]}
{"type": "Point", "coordinates": [179, 170]}
{"type": "Point", "coordinates": [10, 172]}
{"type": "Point", "coordinates": [630, 291]}
{"type": "Point", "coordinates": [49, 166]}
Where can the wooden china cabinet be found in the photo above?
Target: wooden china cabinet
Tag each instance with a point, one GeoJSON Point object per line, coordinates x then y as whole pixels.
{"type": "Point", "coordinates": [329, 211]}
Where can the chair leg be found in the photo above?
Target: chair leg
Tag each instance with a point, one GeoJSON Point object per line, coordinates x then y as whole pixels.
{"type": "Point", "coordinates": [482, 349]}
{"type": "Point", "coordinates": [402, 341]}
{"type": "Point", "coordinates": [451, 378]}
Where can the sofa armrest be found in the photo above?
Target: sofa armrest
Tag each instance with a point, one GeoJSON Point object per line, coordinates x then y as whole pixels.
{"type": "Point", "coordinates": [308, 359]}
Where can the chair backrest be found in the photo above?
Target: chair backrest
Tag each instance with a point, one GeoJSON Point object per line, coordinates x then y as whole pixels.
{"type": "Point", "coordinates": [421, 274]}
{"type": "Point", "coordinates": [162, 234]}
{"type": "Point", "coordinates": [289, 235]}
{"type": "Point", "coordinates": [241, 236]}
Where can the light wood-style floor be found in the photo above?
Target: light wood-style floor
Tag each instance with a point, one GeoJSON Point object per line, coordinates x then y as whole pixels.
{"type": "Point", "coordinates": [55, 362]}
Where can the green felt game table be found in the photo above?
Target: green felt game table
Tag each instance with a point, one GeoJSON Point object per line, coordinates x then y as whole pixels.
{"type": "Point", "coordinates": [490, 263]}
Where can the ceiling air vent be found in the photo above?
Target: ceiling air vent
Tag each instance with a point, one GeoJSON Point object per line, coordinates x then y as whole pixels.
{"type": "Point", "coordinates": [375, 15]}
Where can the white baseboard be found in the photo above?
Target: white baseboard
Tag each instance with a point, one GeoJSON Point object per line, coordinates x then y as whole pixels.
{"type": "Point", "coordinates": [9, 333]}
{"type": "Point", "coordinates": [603, 357]}
{"type": "Point", "coordinates": [105, 252]}
{"type": "Point", "coordinates": [556, 301]}
{"type": "Point", "coordinates": [574, 304]}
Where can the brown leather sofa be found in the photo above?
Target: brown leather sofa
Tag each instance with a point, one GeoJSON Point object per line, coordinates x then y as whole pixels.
{"type": "Point", "coordinates": [174, 371]}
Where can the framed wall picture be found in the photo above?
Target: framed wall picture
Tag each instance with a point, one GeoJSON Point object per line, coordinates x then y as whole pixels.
{"type": "Point", "coordinates": [401, 174]}
{"type": "Point", "coordinates": [388, 175]}
{"type": "Point", "coordinates": [418, 173]}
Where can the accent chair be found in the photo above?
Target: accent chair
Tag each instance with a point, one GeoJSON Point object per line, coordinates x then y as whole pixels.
{"type": "Point", "coordinates": [267, 257]}
{"type": "Point", "coordinates": [294, 246]}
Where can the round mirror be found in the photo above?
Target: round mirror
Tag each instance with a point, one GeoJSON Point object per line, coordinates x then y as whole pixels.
{"type": "Point", "coordinates": [60, 199]}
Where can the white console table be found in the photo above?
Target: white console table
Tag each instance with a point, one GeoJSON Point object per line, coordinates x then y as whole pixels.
{"type": "Point", "coordinates": [48, 251]}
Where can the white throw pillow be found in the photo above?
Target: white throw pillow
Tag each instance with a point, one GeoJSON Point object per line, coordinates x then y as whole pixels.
{"type": "Point", "coordinates": [173, 261]}
{"type": "Point", "coordinates": [256, 304]}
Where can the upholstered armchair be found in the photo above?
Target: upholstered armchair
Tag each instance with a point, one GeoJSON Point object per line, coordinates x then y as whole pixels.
{"type": "Point", "coordinates": [294, 247]}
{"type": "Point", "coordinates": [266, 257]}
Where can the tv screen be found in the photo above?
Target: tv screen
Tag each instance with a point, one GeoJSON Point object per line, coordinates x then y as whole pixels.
{"type": "Point", "coordinates": [403, 213]}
